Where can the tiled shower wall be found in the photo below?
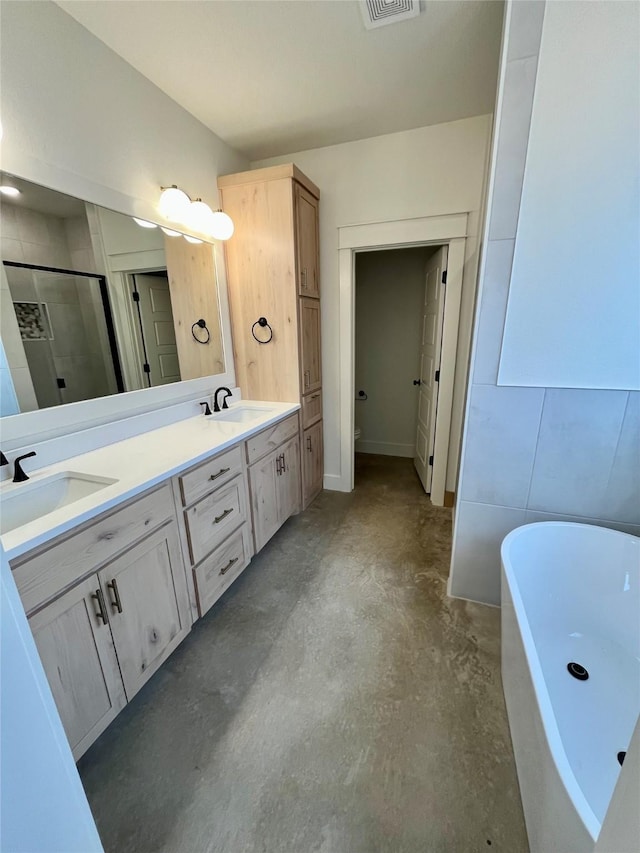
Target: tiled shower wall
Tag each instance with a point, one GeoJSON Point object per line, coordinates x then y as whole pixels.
{"type": "Point", "coordinates": [530, 454]}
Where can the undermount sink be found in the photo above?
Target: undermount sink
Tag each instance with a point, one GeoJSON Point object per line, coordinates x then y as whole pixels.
{"type": "Point", "coordinates": [25, 502]}
{"type": "Point", "coordinates": [242, 414]}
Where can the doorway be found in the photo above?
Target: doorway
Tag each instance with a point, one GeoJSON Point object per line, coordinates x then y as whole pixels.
{"type": "Point", "coordinates": [449, 230]}
{"type": "Point", "coordinates": [399, 303]}
{"type": "Point", "coordinates": [154, 327]}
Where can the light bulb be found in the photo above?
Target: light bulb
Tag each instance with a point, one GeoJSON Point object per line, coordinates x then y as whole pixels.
{"type": "Point", "coordinates": [143, 223]}
{"type": "Point", "coordinates": [169, 232]}
{"type": "Point", "coordinates": [174, 203]}
{"type": "Point", "coordinates": [11, 191]}
{"type": "Point", "coordinates": [222, 225]}
{"type": "Point", "coordinates": [199, 217]}
{"type": "Point", "coordinates": [192, 239]}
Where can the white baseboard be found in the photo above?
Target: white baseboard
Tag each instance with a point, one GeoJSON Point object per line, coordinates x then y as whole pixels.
{"type": "Point", "coordinates": [335, 483]}
{"type": "Point", "coordinates": [385, 448]}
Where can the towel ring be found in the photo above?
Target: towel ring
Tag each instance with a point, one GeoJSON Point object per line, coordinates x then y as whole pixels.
{"type": "Point", "coordinates": [202, 324]}
{"type": "Point", "coordinates": [262, 322]}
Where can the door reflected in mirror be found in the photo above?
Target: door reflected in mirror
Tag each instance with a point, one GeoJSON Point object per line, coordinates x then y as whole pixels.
{"type": "Point", "coordinates": [93, 304]}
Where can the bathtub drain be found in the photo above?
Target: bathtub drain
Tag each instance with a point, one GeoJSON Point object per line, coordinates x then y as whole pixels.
{"type": "Point", "coordinates": [578, 671]}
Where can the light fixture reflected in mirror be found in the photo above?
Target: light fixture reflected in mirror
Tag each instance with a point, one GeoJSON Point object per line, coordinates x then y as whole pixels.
{"type": "Point", "coordinates": [143, 223]}
{"type": "Point", "coordinates": [169, 232]}
{"type": "Point", "coordinates": [174, 203]}
{"type": "Point", "coordinates": [9, 191]}
{"type": "Point", "coordinates": [192, 239]}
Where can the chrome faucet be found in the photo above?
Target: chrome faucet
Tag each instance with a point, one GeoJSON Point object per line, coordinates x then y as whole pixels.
{"type": "Point", "coordinates": [18, 474]}
{"type": "Point", "coordinates": [216, 406]}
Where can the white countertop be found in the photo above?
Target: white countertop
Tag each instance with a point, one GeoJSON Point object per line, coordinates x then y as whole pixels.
{"type": "Point", "coordinates": [136, 464]}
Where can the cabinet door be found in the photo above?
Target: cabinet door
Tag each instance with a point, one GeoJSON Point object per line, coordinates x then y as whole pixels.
{"type": "Point", "coordinates": [310, 344]}
{"type": "Point", "coordinates": [312, 464]}
{"type": "Point", "coordinates": [146, 593]}
{"type": "Point", "coordinates": [263, 481]}
{"type": "Point", "coordinates": [307, 242]}
{"type": "Point", "coordinates": [288, 479]}
{"type": "Point", "coordinates": [76, 649]}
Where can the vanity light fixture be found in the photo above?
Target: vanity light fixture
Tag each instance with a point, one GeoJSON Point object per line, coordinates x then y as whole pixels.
{"type": "Point", "coordinates": [222, 225]}
{"type": "Point", "coordinates": [174, 203]}
{"type": "Point", "coordinates": [143, 223]}
{"type": "Point", "coordinates": [170, 232]}
{"type": "Point", "coordinates": [192, 239]}
{"type": "Point", "coordinates": [10, 191]}
{"type": "Point", "coordinates": [199, 217]}
{"type": "Point", "coordinates": [195, 215]}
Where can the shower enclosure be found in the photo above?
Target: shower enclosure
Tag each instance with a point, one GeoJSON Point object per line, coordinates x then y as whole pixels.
{"type": "Point", "coordinates": [66, 329]}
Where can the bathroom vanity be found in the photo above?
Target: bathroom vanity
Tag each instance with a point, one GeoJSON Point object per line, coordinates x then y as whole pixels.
{"type": "Point", "coordinates": [113, 581]}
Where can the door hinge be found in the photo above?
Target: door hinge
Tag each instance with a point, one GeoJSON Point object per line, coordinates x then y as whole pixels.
{"type": "Point", "coordinates": [444, 277]}
{"type": "Point", "coordinates": [135, 296]}
{"type": "Point", "coordinates": [437, 376]}
{"type": "Point", "coordinates": [147, 368]}
{"type": "Point", "coordinates": [431, 460]}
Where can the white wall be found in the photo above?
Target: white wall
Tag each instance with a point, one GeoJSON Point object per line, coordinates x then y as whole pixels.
{"type": "Point", "coordinates": [389, 298]}
{"type": "Point", "coordinates": [573, 318]}
{"type": "Point", "coordinates": [78, 119]}
{"type": "Point", "coordinates": [42, 802]}
{"type": "Point", "coordinates": [533, 454]}
{"type": "Point", "coordinates": [430, 171]}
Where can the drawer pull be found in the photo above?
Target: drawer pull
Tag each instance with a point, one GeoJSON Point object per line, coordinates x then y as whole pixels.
{"type": "Point", "coordinates": [102, 610]}
{"type": "Point", "coordinates": [219, 518]}
{"type": "Point", "coordinates": [278, 466]}
{"type": "Point", "coordinates": [315, 396]}
{"type": "Point", "coordinates": [226, 568]}
{"type": "Point", "coordinates": [219, 474]}
{"type": "Point", "coordinates": [113, 586]}
{"type": "Point", "coordinates": [284, 467]}
{"type": "Point", "coordinates": [307, 378]}
{"type": "Point", "coordinates": [309, 444]}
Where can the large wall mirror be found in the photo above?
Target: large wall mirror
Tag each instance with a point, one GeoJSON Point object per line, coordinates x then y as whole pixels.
{"type": "Point", "coordinates": [95, 303]}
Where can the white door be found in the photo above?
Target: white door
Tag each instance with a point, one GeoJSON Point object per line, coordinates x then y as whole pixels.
{"type": "Point", "coordinates": [432, 318]}
{"type": "Point", "coordinates": [158, 331]}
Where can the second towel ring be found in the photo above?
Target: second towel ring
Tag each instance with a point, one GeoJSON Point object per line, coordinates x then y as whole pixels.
{"type": "Point", "coordinates": [202, 324]}
{"type": "Point", "coordinates": [262, 322]}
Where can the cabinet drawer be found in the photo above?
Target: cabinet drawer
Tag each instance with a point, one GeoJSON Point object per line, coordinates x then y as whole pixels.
{"type": "Point", "coordinates": [311, 409]}
{"type": "Point", "coordinates": [215, 574]}
{"type": "Point", "coordinates": [198, 482]}
{"type": "Point", "coordinates": [267, 440]}
{"type": "Point", "coordinates": [47, 573]}
{"type": "Point", "coordinates": [211, 520]}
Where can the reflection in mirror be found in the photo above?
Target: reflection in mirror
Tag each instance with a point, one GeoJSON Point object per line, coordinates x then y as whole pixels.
{"type": "Point", "coordinates": [94, 304]}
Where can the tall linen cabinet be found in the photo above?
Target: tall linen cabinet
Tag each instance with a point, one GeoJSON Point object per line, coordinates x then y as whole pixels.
{"type": "Point", "coordinates": [273, 272]}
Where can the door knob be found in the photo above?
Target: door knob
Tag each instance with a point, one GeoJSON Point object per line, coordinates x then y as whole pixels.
{"type": "Point", "coordinates": [416, 381]}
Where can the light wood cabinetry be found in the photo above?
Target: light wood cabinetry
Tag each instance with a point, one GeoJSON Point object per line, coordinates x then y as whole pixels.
{"type": "Point", "coordinates": [214, 525]}
{"type": "Point", "coordinates": [78, 655]}
{"type": "Point", "coordinates": [275, 489]}
{"type": "Point", "coordinates": [312, 451]}
{"type": "Point", "coordinates": [107, 605]}
{"type": "Point", "coordinates": [147, 608]}
{"type": "Point", "coordinates": [307, 243]}
{"type": "Point", "coordinates": [273, 272]}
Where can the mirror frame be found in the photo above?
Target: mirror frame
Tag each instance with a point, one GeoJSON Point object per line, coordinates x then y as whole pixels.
{"type": "Point", "coordinates": [43, 424]}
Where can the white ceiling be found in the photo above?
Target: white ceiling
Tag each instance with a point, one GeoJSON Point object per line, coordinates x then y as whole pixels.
{"type": "Point", "coordinates": [275, 76]}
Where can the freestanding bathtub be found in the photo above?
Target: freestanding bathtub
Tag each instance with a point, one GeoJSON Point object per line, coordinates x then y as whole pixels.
{"type": "Point", "coordinates": [570, 594]}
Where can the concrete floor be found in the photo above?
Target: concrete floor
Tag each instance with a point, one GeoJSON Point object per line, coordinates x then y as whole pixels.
{"type": "Point", "coordinates": [334, 700]}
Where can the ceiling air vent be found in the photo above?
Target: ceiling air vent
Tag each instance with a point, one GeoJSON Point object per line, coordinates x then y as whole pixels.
{"type": "Point", "coordinates": [377, 13]}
